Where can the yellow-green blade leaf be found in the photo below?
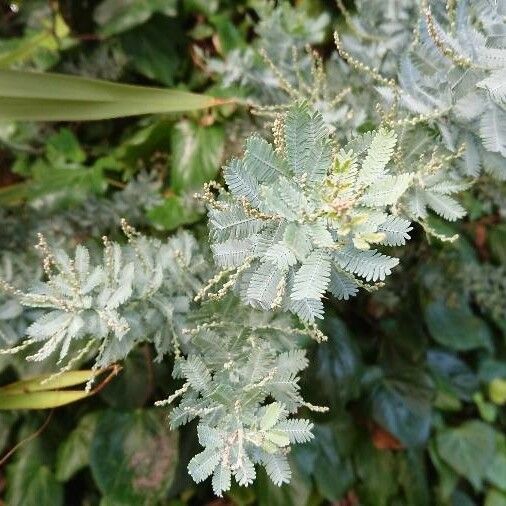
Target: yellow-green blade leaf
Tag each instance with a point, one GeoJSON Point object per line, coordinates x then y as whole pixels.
{"type": "Point", "coordinates": [40, 400]}
{"type": "Point", "coordinates": [37, 96]}
{"type": "Point", "coordinates": [50, 382]}
{"type": "Point", "coordinates": [41, 392]}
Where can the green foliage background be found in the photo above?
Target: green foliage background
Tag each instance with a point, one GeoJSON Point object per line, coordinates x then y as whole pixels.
{"type": "Point", "coordinates": [414, 374]}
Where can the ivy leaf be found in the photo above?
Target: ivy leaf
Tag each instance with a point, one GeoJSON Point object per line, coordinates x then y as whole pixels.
{"type": "Point", "coordinates": [497, 242]}
{"type": "Point", "coordinates": [495, 498]}
{"type": "Point", "coordinates": [337, 377]}
{"type": "Point", "coordinates": [468, 449]}
{"type": "Point", "coordinates": [377, 473]}
{"type": "Point", "coordinates": [115, 16]}
{"type": "Point", "coordinates": [413, 477]}
{"type": "Point", "coordinates": [454, 325]}
{"type": "Point", "coordinates": [197, 152]}
{"type": "Point", "coordinates": [324, 458]}
{"type": "Point", "coordinates": [452, 374]}
{"type": "Point", "coordinates": [401, 403]}
{"type": "Point", "coordinates": [138, 446]}
{"type": "Point", "coordinates": [295, 493]}
{"type": "Point", "coordinates": [29, 479]}
{"type": "Point", "coordinates": [173, 212]}
{"type": "Point", "coordinates": [496, 472]}
{"type": "Point", "coordinates": [152, 53]}
{"type": "Point", "coordinates": [74, 452]}
{"type": "Point", "coordinates": [140, 145]}
{"type": "Point", "coordinates": [63, 148]}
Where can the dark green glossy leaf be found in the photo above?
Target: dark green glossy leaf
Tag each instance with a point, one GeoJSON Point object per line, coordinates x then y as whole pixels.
{"type": "Point", "coordinates": [174, 212]}
{"type": "Point", "coordinates": [141, 450]}
{"type": "Point", "coordinates": [448, 478]}
{"type": "Point", "coordinates": [7, 420]}
{"type": "Point", "coordinates": [377, 474]}
{"type": "Point", "coordinates": [413, 478]}
{"type": "Point", "coordinates": [452, 374]}
{"type": "Point", "coordinates": [497, 242]}
{"type": "Point", "coordinates": [337, 377]}
{"type": "Point", "coordinates": [495, 498]}
{"type": "Point", "coordinates": [196, 154]}
{"type": "Point", "coordinates": [403, 341]}
{"type": "Point", "coordinates": [74, 453]}
{"type": "Point", "coordinates": [491, 368]}
{"type": "Point", "coordinates": [295, 493]}
{"type": "Point", "coordinates": [115, 16]}
{"type": "Point", "coordinates": [460, 498]}
{"type": "Point", "coordinates": [468, 449]}
{"type": "Point", "coordinates": [30, 481]}
{"type": "Point", "coordinates": [326, 457]}
{"type": "Point", "coordinates": [135, 385]}
{"type": "Point", "coordinates": [153, 53]}
{"type": "Point", "coordinates": [401, 404]}
{"type": "Point", "coordinates": [496, 472]}
{"type": "Point", "coordinates": [453, 324]}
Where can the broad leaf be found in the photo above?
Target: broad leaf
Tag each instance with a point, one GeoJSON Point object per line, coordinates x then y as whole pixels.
{"type": "Point", "coordinates": [196, 154]}
{"type": "Point", "coordinates": [140, 449]}
{"type": "Point", "coordinates": [469, 449]}
{"type": "Point", "coordinates": [454, 325]}
{"type": "Point", "coordinates": [74, 453]}
{"type": "Point", "coordinates": [115, 16]}
{"type": "Point", "coordinates": [401, 404]}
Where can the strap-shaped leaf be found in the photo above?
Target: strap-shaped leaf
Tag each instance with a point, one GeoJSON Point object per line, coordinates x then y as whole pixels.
{"type": "Point", "coordinates": [46, 391]}
{"type": "Point", "coordinates": [36, 96]}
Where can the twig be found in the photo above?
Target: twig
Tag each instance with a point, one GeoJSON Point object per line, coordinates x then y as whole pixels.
{"type": "Point", "coordinates": [38, 432]}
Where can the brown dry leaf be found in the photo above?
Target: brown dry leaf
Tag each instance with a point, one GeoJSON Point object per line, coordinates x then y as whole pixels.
{"type": "Point", "coordinates": [383, 440]}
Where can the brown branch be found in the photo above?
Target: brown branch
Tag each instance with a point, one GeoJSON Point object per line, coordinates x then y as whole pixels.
{"type": "Point", "coordinates": [27, 439]}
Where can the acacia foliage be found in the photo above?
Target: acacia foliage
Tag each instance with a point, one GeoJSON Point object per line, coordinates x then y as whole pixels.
{"type": "Point", "coordinates": [413, 373]}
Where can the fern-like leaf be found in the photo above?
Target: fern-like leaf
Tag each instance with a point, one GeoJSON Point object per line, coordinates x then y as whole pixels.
{"type": "Point", "coordinates": [396, 230]}
{"type": "Point", "coordinates": [493, 130]}
{"type": "Point", "coordinates": [312, 278]}
{"type": "Point", "coordinates": [370, 264]}
{"type": "Point", "coordinates": [378, 155]}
